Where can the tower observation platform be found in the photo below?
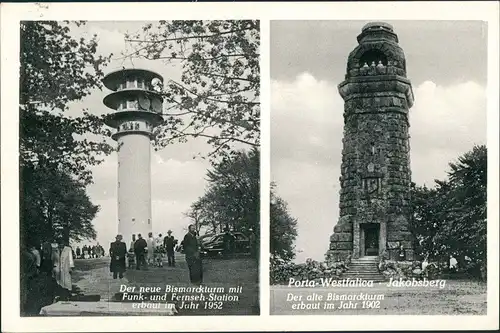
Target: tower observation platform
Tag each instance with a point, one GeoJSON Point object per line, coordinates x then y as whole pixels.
{"type": "Point", "coordinates": [137, 105]}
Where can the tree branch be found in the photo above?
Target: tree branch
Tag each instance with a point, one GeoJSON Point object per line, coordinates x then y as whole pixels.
{"type": "Point", "coordinates": [214, 99]}
{"type": "Point", "coordinates": [218, 120]}
{"type": "Point", "coordinates": [189, 37]}
{"type": "Point", "coordinates": [182, 134]}
{"type": "Point", "coordinates": [229, 77]}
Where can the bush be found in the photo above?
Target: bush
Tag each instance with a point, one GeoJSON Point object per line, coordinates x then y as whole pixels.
{"type": "Point", "coordinates": [281, 271]}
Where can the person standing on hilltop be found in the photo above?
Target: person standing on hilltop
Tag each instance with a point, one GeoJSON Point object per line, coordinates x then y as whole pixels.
{"type": "Point", "coordinates": [453, 264]}
{"type": "Point", "coordinates": [151, 249]}
{"type": "Point", "coordinates": [27, 275]}
{"type": "Point", "coordinates": [228, 243]}
{"type": "Point", "coordinates": [63, 264]}
{"type": "Point", "coordinates": [140, 246]}
{"type": "Point", "coordinates": [192, 252]}
{"type": "Point", "coordinates": [158, 246]}
{"type": "Point", "coordinates": [169, 243]}
{"type": "Point", "coordinates": [131, 254]}
{"type": "Point", "coordinates": [118, 252]}
{"type": "Point", "coordinates": [253, 243]}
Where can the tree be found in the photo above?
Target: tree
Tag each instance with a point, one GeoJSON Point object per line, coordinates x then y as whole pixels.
{"type": "Point", "coordinates": [55, 70]}
{"type": "Point", "coordinates": [56, 150]}
{"type": "Point", "coordinates": [233, 195]}
{"type": "Point", "coordinates": [283, 229]}
{"type": "Point", "coordinates": [56, 208]}
{"type": "Point", "coordinates": [451, 218]}
{"type": "Point", "coordinates": [217, 96]}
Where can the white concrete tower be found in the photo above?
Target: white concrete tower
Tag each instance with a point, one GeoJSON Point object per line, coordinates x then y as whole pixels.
{"type": "Point", "coordinates": [137, 106]}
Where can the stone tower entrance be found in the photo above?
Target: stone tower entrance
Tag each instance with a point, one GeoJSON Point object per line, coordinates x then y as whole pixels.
{"type": "Point", "coordinates": [369, 234]}
{"type": "Point", "coordinates": [375, 172]}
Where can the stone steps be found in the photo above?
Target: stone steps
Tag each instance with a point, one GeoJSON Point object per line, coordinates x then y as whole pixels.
{"type": "Point", "coordinates": [365, 268]}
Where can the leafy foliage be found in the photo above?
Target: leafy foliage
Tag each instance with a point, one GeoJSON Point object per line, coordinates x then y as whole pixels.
{"type": "Point", "coordinates": [56, 208]}
{"type": "Point", "coordinates": [232, 196]}
{"type": "Point", "coordinates": [217, 97]}
{"type": "Point", "coordinates": [56, 70]}
{"type": "Point", "coordinates": [281, 270]}
{"type": "Point", "coordinates": [283, 230]}
{"type": "Point", "coordinates": [451, 217]}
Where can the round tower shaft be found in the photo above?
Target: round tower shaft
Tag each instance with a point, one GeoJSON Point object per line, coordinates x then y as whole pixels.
{"type": "Point", "coordinates": [137, 106]}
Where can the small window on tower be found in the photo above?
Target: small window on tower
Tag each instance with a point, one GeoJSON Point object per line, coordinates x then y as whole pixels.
{"type": "Point", "coordinates": [373, 58]}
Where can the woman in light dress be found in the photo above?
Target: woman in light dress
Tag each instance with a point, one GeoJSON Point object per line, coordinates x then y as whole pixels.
{"type": "Point", "coordinates": [63, 262]}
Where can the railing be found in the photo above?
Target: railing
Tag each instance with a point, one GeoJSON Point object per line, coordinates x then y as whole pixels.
{"type": "Point", "coordinates": [376, 69]}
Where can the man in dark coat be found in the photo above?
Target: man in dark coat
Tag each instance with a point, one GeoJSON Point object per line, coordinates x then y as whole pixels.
{"type": "Point", "coordinates": [118, 252]}
{"type": "Point", "coordinates": [253, 243]}
{"type": "Point", "coordinates": [192, 252]}
{"type": "Point", "coordinates": [46, 265]}
{"type": "Point", "coordinates": [27, 275]}
{"type": "Point", "coordinates": [140, 246]}
{"type": "Point", "coordinates": [228, 243]}
{"type": "Point", "coordinates": [169, 243]}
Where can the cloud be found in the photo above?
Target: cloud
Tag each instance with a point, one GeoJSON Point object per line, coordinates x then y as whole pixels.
{"type": "Point", "coordinates": [446, 121]}
{"type": "Point", "coordinates": [306, 143]}
{"type": "Point", "coordinates": [305, 111]}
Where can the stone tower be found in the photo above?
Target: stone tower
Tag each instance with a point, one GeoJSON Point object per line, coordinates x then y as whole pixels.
{"type": "Point", "coordinates": [375, 173]}
{"type": "Point", "coordinates": [137, 107]}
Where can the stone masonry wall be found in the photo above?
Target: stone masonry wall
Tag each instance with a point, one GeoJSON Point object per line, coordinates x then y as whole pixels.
{"type": "Point", "coordinates": [375, 145]}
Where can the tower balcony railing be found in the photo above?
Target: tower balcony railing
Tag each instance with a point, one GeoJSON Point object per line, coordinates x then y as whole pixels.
{"type": "Point", "coordinates": [376, 69]}
{"type": "Point", "coordinates": [137, 126]}
{"type": "Point", "coordinates": [134, 85]}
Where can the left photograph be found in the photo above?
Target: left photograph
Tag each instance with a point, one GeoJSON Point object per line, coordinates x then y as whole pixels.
{"type": "Point", "coordinates": [139, 166]}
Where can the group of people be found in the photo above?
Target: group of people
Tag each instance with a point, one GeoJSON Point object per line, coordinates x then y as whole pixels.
{"type": "Point", "coordinates": [87, 252]}
{"type": "Point", "coordinates": [452, 265]}
{"type": "Point", "coordinates": [45, 275]}
{"type": "Point", "coordinates": [143, 253]}
{"type": "Point", "coordinates": [229, 243]}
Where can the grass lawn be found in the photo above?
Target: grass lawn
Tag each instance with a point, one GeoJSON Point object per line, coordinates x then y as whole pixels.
{"type": "Point", "coordinates": [458, 297]}
{"type": "Point", "coordinates": [93, 277]}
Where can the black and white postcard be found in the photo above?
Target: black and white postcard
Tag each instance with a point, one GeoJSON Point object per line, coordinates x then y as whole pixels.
{"type": "Point", "coordinates": [139, 167]}
{"type": "Point", "coordinates": [384, 192]}
{"type": "Point", "coordinates": [246, 166]}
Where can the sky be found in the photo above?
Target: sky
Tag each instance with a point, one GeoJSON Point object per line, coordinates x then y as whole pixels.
{"type": "Point", "coordinates": [446, 63]}
{"type": "Point", "coordinates": [177, 179]}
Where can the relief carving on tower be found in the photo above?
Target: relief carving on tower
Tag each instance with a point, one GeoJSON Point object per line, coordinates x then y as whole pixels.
{"type": "Point", "coordinates": [372, 185]}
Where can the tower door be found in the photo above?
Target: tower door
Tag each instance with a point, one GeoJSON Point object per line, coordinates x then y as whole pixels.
{"type": "Point", "coordinates": [371, 232]}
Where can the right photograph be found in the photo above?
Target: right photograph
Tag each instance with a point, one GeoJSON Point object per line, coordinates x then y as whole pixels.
{"type": "Point", "coordinates": [378, 167]}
